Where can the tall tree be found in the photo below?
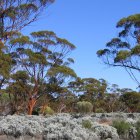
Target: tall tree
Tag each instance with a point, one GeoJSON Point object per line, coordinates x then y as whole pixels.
{"type": "Point", "coordinates": [131, 100]}
{"type": "Point", "coordinates": [14, 16]}
{"type": "Point", "coordinates": [124, 50]}
{"type": "Point", "coordinates": [89, 89]}
{"type": "Point", "coordinates": [5, 65]}
{"type": "Point", "coordinates": [43, 56]}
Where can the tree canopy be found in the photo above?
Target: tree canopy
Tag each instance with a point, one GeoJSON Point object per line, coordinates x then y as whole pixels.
{"type": "Point", "coordinates": [124, 50]}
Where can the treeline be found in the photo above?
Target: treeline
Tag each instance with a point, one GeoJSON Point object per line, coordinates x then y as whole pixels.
{"type": "Point", "coordinates": [35, 72]}
{"type": "Point", "coordinates": [80, 95]}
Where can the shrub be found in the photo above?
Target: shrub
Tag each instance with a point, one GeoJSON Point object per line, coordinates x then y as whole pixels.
{"type": "Point", "coordinates": [86, 124]}
{"type": "Point", "coordinates": [137, 125]}
{"type": "Point", "coordinates": [84, 107]}
{"type": "Point", "coordinates": [122, 127]}
{"type": "Point", "coordinates": [131, 100]}
{"type": "Point", "coordinates": [100, 110]}
{"type": "Point", "coordinates": [138, 133]}
{"type": "Point", "coordinates": [48, 111]}
{"type": "Point", "coordinates": [4, 99]}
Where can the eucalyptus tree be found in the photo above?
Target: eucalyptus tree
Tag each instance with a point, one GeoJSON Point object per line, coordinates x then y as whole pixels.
{"type": "Point", "coordinates": [124, 50]}
{"type": "Point", "coordinates": [131, 100]}
{"type": "Point", "coordinates": [90, 86]}
{"type": "Point", "coordinates": [44, 58]}
{"type": "Point", "coordinates": [5, 66]}
{"type": "Point", "coordinates": [14, 16]}
{"type": "Point", "coordinates": [17, 93]}
{"type": "Point", "coordinates": [89, 89]}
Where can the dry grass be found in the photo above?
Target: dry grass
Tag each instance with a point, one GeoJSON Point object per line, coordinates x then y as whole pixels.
{"type": "Point", "coordinates": [105, 122]}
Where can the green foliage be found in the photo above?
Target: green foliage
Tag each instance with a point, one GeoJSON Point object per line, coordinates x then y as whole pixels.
{"type": "Point", "coordinates": [118, 43]}
{"type": "Point", "coordinates": [100, 110]}
{"type": "Point", "coordinates": [122, 55]}
{"type": "Point", "coordinates": [46, 34]}
{"type": "Point", "coordinates": [137, 125]}
{"type": "Point", "coordinates": [5, 64]}
{"type": "Point", "coordinates": [122, 127]}
{"type": "Point", "coordinates": [102, 52]}
{"type": "Point", "coordinates": [20, 14]}
{"type": "Point", "coordinates": [42, 64]}
{"type": "Point", "coordinates": [130, 20]}
{"type": "Point", "coordinates": [132, 100]}
{"type": "Point", "coordinates": [37, 65]}
{"type": "Point", "coordinates": [84, 107]}
{"type": "Point", "coordinates": [71, 60]}
{"type": "Point", "coordinates": [86, 124]}
{"type": "Point", "coordinates": [92, 88]}
{"type": "Point", "coordinates": [66, 71]}
{"type": "Point", "coordinates": [48, 111]}
{"type": "Point", "coordinates": [20, 75]}
{"type": "Point", "coordinates": [4, 98]}
{"type": "Point", "coordinates": [124, 50]}
{"type": "Point", "coordinates": [14, 16]}
{"type": "Point", "coordinates": [20, 41]}
{"type": "Point", "coordinates": [65, 42]}
{"type": "Point", "coordinates": [136, 50]}
{"type": "Point", "coordinates": [138, 133]}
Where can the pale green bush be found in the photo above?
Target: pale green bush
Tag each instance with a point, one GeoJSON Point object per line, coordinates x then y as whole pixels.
{"type": "Point", "coordinates": [137, 125]}
{"type": "Point", "coordinates": [122, 127]}
{"type": "Point", "coordinates": [100, 110]}
{"type": "Point", "coordinates": [48, 111]}
{"type": "Point", "coordinates": [84, 107]}
{"type": "Point", "coordinates": [86, 124]}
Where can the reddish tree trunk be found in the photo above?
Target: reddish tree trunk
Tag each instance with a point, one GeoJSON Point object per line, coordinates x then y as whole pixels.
{"type": "Point", "coordinates": [31, 105]}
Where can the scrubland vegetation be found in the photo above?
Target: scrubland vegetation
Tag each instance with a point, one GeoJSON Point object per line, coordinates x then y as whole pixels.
{"type": "Point", "coordinates": [35, 70]}
{"type": "Point", "coordinates": [36, 78]}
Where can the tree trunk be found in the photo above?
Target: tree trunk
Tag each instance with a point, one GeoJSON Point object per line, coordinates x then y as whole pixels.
{"type": "Point", "coordinates": [32, 99]}
{"type": "Point", "coordinates": [61, 108]}
{"type": "Point", "coordinates": [31, 105]}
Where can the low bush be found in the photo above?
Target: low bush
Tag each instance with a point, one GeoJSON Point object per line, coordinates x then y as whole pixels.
{"type": "Point", "coordinates": [48, 111]}
{"type": "Point", "coordinates": [138, 133]}
{"type": "Point", "coordinates": [4, 99]}
{"type": "Point", "coordinates": [86, 124]}
{"type": "Point", "coordinates": [137, 125]}
{"type": "Point", "coordinates": [100, 110]}
{"type": "Point", "coordinates": [122, 127]}
{"type": "Point", "coordinates": [84, 107]}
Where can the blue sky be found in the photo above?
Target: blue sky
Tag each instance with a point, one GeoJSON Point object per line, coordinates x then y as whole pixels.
{"type": "Point", "coordinates": [89, 24]}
